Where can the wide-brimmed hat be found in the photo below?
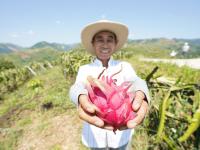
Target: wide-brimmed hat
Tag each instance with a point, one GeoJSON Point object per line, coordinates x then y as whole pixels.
{"type": "Point", "coordinates": [88, 32]}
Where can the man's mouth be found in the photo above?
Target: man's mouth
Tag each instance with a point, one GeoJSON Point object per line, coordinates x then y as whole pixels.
{"type": "Point", "coordinates": [105, 51]}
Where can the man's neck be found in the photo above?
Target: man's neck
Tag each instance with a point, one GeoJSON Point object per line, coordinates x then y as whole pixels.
{"type": "Point", "coordinates": [104, 62]}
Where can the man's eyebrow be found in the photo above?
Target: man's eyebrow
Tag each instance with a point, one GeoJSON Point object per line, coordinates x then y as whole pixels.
{"type": "Point", "coordinates": [111, 36]}
{"type": "Point", "coordinates": [100, 36]}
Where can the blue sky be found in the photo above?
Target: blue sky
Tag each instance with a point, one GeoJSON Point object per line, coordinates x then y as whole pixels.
{"type": "Point", "coordinates": [26, 22]}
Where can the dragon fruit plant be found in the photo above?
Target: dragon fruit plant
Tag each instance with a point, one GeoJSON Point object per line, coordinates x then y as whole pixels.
{"type": "Point", "coordinates": [114, 102]}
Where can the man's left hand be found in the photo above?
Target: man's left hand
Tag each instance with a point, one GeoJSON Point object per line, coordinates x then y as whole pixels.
{"type": "Point", "coordinates": [140, 106]}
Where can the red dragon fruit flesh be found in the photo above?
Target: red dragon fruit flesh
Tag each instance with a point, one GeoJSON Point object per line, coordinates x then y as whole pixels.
{"type": "Point", "coordinates": [114, 102]}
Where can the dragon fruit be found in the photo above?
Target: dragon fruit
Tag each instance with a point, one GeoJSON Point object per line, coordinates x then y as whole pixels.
{"type": "Point", "coordinates": [114, 102]}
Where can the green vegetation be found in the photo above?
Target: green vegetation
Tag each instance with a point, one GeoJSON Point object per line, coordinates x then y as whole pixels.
{"type": "Point", "coordinates": [35, 106]}
{"type": "Point", "coordinates": [26, 57]}
{"type": "Point", "coordinates": [5, 64]}
{"type": "Point", "coordinates": [30, 102]}
{"type": "Point", "coordinates": [161, 48]}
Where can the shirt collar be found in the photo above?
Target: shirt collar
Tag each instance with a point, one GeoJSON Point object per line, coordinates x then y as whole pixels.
{"type": "Point", "coordinates": [98, 62]}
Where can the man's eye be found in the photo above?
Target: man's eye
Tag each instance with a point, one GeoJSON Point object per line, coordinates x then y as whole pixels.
{"type": "Point", "coordinates": [99, 41]}
{"type": "Point", "coordinates": [110, 41]}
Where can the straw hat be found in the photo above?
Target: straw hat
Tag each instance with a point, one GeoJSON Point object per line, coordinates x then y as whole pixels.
{"type": "Point", "coordinates": [88, 32]}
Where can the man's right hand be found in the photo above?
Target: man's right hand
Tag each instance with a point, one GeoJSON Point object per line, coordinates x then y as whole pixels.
{"type": "Point", "coordinates": [87, 112]}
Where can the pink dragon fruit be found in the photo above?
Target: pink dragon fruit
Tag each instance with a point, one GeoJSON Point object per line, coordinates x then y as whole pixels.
{"type": "Point", "coordinates": [114, 102]}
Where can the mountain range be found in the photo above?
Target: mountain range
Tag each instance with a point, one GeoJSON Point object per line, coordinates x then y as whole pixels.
{"type": "Point", "coordinates": [158, 42]}
{"type": "Point", "coordinates": [9, 47]}
{"type": "Point", "coordinates": [150, 48]}
{"type": "Point", "coordinates": [155, 47]}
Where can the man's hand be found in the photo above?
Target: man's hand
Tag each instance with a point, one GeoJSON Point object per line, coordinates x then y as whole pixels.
{"type": "Point", "coordinates": [140, 106]}
{"type": "Point", "coordinates": [87, 112]}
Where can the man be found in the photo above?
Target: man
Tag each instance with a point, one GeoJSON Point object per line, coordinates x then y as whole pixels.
{"type": "Point", "coordinates": [102, 39]}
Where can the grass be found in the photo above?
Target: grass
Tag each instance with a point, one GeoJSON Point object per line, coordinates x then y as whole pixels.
{"type": "Point", "coordinates": [25, 110]}
{"type": "Point", "coordinates": [24, 122]}
{"type": "Point", "coordinates": [56, 147]}
{"type": "Point", "coordinates": [10, 140]}
{"type": "Point", "coordinates": [31, 98]}
{"type": "Point", "coordinates": [20, 108]}
{"type": "Point", "coordinates": [140, 139]}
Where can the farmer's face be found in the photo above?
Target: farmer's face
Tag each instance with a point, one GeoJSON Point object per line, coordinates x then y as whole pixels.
{"type": "Point", "coordinates": [104, 44]}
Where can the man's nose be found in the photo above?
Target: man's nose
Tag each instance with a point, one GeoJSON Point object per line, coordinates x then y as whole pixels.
{"type": "Point", "coordinates": [105, 44]}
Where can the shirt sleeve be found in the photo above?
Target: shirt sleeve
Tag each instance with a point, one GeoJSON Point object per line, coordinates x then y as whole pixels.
{"type": "Point", "coordinates": [138, 83]}
{"type": "Point", "coordinates": [78, 87]}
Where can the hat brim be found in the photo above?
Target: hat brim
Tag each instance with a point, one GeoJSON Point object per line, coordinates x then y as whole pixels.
{"type": "Point", "coordinates": [120, 30]}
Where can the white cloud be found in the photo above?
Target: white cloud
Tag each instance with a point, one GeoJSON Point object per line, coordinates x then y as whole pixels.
{"type": "Point", "coordinates": [22, 34]}
{"type": "Point", "coordinates": [58, 22]}
{"type": "Point", "coordinates": [30, 32]}
{"type": "Point", "coordinates": [14, 35]}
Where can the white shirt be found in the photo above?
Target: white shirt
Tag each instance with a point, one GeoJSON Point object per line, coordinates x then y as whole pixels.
{"type": "Point", "coordinates": [93, 136]}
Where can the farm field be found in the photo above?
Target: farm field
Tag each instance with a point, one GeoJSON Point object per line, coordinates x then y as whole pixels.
{"type": "Point", "coordinates": [36, 113]}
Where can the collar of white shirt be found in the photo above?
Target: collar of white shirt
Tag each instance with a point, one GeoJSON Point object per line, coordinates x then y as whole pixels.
{"type": "Point", "coordinates": [98, 62]}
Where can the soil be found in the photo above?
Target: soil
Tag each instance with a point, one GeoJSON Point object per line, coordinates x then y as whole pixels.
{"type": "Point", "coordinates": [61, 132]}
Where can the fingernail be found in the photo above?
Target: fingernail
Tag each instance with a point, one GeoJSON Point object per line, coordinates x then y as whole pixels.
{"type": "Point", "coordinates": [136, 106]}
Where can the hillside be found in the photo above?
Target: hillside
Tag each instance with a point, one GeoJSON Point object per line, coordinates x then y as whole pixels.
{"type": "Point", "coordinates": [149, 48]}
{"type": "Point", "coordinates": [162, 47]}
{"type": "Point", "coordinates": [157, 47]}
{"type": "Point", "coordinates": [56, 46]}
{"type": "Point", "coordinates": [8, 48]}
{"type": "Point", "coordinates": [25, 57]}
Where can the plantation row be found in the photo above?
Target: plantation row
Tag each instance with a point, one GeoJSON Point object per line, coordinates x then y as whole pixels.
{"type": "Point", "coordinates": [174, 117]}
{"type": "Point", "coordinates": [11, 79]}
{"type": "Point", "coordinates": [72, 60]}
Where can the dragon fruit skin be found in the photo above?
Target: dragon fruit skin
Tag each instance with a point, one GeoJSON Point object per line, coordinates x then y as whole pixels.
{"type": "Point", "coordinates": [114, 102]}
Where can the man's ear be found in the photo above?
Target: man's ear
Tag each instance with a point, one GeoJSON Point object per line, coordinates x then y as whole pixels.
{"type": "Point", "coordinates": [93, 45]}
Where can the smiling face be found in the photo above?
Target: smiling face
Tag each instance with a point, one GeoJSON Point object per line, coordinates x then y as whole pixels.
{"type": "Point", "coordinates": [104, 44]}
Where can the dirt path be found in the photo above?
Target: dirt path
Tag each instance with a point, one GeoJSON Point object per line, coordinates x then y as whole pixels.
{"type": "Point", "coordinates": [193, 63]}
{"type": "Point", "coordinates": [61, 132]}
